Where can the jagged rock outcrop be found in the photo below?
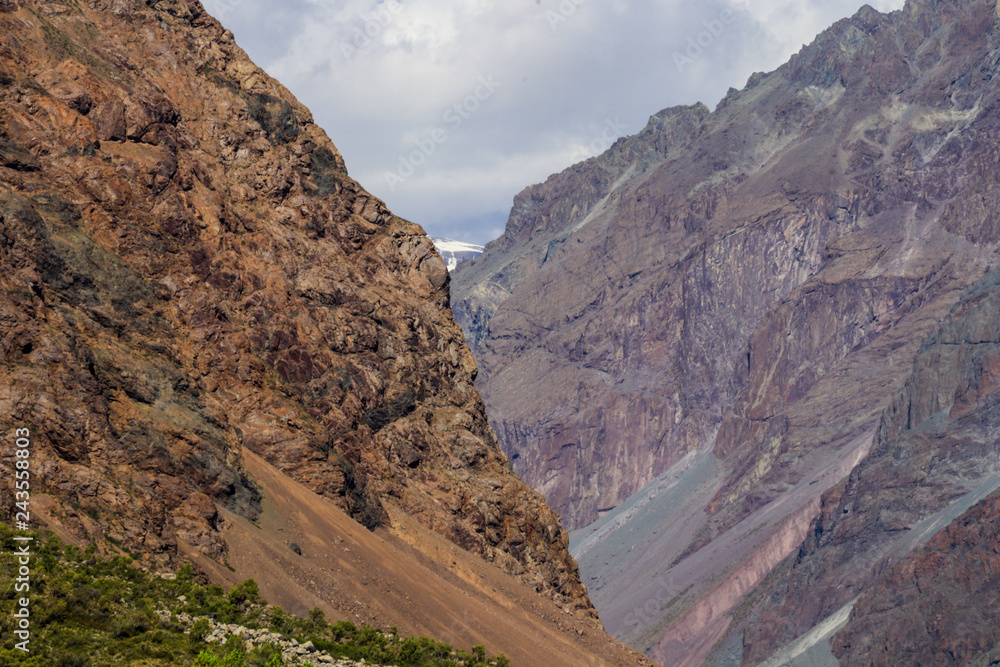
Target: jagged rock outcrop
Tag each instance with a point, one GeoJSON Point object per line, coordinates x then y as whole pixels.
{"type": "Point", "coordinates": [639, 289]}
{"type": "Point", "coordinates": [956, 576]}
{"type": "Point", "coordinates": [756, 283]}
{"type": "Point", "coordinates": [566, 355]}
{"type": "Point", "coordinates": [189, 273]}
{"type": "Point", "coordinates": [935, 455]}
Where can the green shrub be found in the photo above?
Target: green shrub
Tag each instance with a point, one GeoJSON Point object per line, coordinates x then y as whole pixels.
{"type": "Point", "coordinates": [185, 572]}
{"type": "Point", "coordinates": [199, 631]}
{"type": "Point", "coordinates": [132, 624]}
{"type": "Point", "coordinates": [246, 591]}
{"type": "Point", "coordinates": [317, 617]}
{"type": "Point", "coordinates": [89, 611]}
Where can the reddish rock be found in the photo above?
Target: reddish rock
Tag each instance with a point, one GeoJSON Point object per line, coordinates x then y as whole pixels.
{"type": "Point", "coordinates": [929, 461]}
{"type": "Point", "coordinates": [938, 606]}
{"type": "Point", "coordinates": [729, 265]}
{"type": "Point", "coordinates": [189, 273]}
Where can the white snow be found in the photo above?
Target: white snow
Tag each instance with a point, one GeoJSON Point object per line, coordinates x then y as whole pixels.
{"type": "Point", "coordinates": [453, 252]}
{"type": "Point", "coordinates": [451, 245]}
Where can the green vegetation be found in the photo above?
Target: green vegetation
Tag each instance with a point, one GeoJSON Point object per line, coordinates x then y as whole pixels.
{"type": "Point", "coordinates": [325, 173]}
{"type": "Point", "coordinates": [275, 116]}
{"type": "Point", "coordinates": [90, 611]}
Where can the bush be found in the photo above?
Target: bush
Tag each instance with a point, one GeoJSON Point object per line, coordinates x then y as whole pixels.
{"type": "Point", "coordinates": [73, 661]}
{"type": "Point", "coordinates": [199, 631]}
{"type": "Point", "coordinates": [132, 624]}
{"type": "Point", "coordinates": [90, 611]}
{"type": "Point", "coordinates": [317, 617]}
{"type": "Point", "coordinates": [267, 655]}
{"type": "Point", "coordinates": [246, 591]}
{"type": "Point", "coordinates": [185, 573]}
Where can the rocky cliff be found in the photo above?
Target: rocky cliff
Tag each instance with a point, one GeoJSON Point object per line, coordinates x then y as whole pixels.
{"type": "Point", "coordinates": [934, 457]}
{"type": "Point", "coordinates": [955, 575]}
{"type": "Point", "coordinates": [719, 310]}
{"type": "Point", "coordinates": [189, 275]}
{"type": "Point", "coordinates": [571, 387]}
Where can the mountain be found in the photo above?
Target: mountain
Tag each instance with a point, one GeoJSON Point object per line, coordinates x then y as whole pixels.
{"type": "Point", "coordinates": [745, 353]}
{"type": "Point", "coordinates": [902, 554]}
{"type": "Point", "coordinates": [227, 352]}
{"type": "Point", "coordinates": [455, 252]}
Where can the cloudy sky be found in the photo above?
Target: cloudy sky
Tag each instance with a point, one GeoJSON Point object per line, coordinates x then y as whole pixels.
{"type": "Point", "coordinates": [448, 108]}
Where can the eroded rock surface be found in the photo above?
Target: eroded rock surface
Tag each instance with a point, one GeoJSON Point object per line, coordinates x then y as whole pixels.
{"type": "Point", "coordinates": [935, 455]}
{"type": "Point", "coordinates": [756, 283]}
{"type": "Point", "coordinates": [955, 577]}
{"type": "Point", "coordinates": [189, 273]}
{"type": "Point", "coordinates": [711, 273]}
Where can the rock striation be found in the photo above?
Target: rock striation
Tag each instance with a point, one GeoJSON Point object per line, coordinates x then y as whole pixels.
{"type": "Point", "coordinates": [571, 398]}
{"type": "Point", "coordinates": [828, 200]}
{"type": "Point", "coordinates": [934, 457]}
{"type": "Point", "coordinates": [955, 576]}
{"type": "Point", "coordinates": [686, 342]}
{"type": "Point", "coordinates": [190, 274]}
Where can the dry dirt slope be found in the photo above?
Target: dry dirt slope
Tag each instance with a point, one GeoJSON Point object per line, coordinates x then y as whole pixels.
{"type": "Point", "coordinates": [405, 575]}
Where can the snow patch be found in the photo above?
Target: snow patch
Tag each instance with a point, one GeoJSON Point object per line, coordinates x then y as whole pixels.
{"type": "Point", "coordinates": [455, 252]}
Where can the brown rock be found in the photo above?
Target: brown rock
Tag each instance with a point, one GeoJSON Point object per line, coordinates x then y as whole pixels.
{"type": "Point", "coordinates": [937, 606]}
{"type": "Point", "coordinates": [190, 273]}
{"type": "Point", "coordinates": [929, 462]}
{"type": "Point", "coordinates": [729, 265]}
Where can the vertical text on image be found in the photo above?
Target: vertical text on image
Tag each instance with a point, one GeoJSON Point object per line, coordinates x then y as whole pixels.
{"type": "Point", "coordinates": [22, 551]}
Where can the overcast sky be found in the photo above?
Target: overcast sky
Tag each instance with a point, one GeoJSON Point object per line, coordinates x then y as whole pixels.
{"type": "Point", "coordinates": [448, 108]}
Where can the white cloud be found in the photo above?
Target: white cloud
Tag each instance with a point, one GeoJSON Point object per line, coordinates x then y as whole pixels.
{"type": "Point", "coordinates": [380, 77]}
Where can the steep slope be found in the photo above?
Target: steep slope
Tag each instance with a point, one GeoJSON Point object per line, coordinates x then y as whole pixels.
{"type": "Point", "coordinates": [717, 312]}
{"type": "Point", "coordinates": [663, 275]}
{"type": "Point", "coordinates": [935, 456]}
{"type": "Point", "coordinates": [956, 575]}
{"type": "Point", "coordinates": [565, 407]}
{"type": "Point", "coordinates": [410, 577]}
{"type": "Point", "coordinates": [191, 275]}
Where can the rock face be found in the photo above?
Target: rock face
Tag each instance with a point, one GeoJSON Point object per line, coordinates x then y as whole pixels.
{"type": "Point", "coordinates": [190, 273]}
{"type": "Point", "coordinates": [572, 388]}
{"type": "Point", "coordinates": [955, 575]}
{"type": "Point", "coordinates": [829, 200]}
{"type": "Point", "coordinates": [722, 310]}
{"type": "Point", "coordinates": [935, 455]}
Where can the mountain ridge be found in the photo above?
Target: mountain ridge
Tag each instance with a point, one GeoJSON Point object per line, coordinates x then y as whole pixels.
{"type": "Point", "coordinates": [757, 295]}
{"type": "Point", "coordinates": [192, 276]}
